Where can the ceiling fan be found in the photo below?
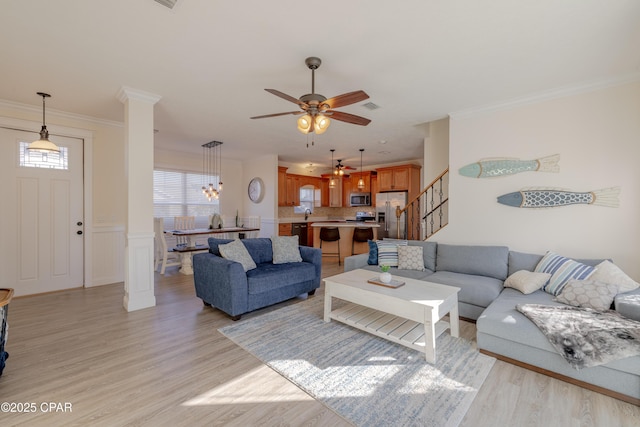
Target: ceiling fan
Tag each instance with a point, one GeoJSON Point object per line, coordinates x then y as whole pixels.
{"type": "Point", "coordinates": [317, 109]}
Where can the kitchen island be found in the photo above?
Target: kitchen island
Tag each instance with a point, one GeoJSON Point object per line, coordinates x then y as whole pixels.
{"type": "Point", "coordinates": [346, 235]}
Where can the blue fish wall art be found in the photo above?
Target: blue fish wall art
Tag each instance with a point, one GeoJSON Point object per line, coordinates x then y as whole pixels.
{"type": "Point", "coordinates": [553, 197]}
{"type": "Point", "coordinates": [490, 168]}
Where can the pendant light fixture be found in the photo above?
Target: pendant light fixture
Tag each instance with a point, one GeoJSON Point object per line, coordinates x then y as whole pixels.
{"type": "Point", "coordinates": [332, 181]}
{"type": "Point", "coordinates": [43, 145]}
{"type": "Point", "coordinates": [361, 180]}
{"type": "Point", "coordinates": [212, 169]}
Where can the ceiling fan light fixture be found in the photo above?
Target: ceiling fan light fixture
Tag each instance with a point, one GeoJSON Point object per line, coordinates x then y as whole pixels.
{"type": "Point", "coordinates": [322, 123]}
{"type": "Point", "coordinates": [304, 124]}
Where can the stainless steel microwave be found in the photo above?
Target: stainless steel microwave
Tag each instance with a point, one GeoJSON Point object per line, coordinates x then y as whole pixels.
{"type": "Point", "coordinates": [360, 199]}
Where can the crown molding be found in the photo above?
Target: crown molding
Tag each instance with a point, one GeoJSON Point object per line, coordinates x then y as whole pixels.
{"type": "Point", "coordinates": [548, 95]}
{"type": "Point", "coordinates": [57, 113]}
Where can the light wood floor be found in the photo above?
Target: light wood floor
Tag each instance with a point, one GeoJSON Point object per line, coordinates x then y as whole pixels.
{"type": "Point", "coordinates": [169, 366]}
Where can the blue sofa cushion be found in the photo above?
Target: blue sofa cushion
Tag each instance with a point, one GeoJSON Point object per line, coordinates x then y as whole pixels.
{"type": "Point", "coordinates": [490, 261]}
{"type": "Point", "coordinates": [268, 277]}
{"type": "Point", "coordinates": [260, 249]}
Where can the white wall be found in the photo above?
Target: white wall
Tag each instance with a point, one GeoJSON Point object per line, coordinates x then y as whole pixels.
{"type": "Point", "coordinates": [436, 150]}
{"type": "Point", "coordinates": [266, 168]}
{"type": "Point", "coordinates": [597, 135]}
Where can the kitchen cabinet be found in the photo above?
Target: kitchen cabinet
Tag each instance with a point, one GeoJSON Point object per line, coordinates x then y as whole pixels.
{"type": "Point", "coordinates": [284, 229]}
{"type": "Point", "coordinates": [282, 186]}
{"type": "Point", "coordinates": [324, 191]}
{"type": "Point", "coordinates": [374, 189]}
{"type": "Point", "coordinates": [335, 194]}
{"type": "Point", "coordinates": [366, 176]}
{"type": "Point", "coordinates": [293, 190]}
{"type": "Point", "coordinates": [346, 190]}
{"type": "Point", "coordinates": [399, 178]}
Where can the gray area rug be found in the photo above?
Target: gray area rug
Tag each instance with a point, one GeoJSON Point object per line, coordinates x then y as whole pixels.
{"type": "Point", "coordinates": [583, 336]}
{"type": "Point", "coordinates": [366, 379]}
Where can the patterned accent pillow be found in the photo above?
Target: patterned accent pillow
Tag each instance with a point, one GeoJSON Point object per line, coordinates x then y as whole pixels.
{"type": "Point", "coordinates": [373, 253]}
{"type": "Point", "coordinates": [236, 251]}
{"type": "Point", "coordinates": [588, 293]}
{"type": "Point", "coordinates": [526, 281]}
{"type": "Point", "coordinates": [410, 258]}
{"type": "Point", "coordinates": [285, 249]}
{"type": "Point", "coordinates": [561, 269]}
{"type": "Point", "coordinates": [388, 252]}
{"type": "Point", "coordinates": [608, 272]}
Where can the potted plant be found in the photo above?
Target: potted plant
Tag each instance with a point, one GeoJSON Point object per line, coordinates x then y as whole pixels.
{"type": "Point", "coordinates": [385, 276]}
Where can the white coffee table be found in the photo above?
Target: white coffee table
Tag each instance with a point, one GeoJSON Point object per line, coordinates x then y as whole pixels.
{"type": "Point", "coordinates": [410, 315]}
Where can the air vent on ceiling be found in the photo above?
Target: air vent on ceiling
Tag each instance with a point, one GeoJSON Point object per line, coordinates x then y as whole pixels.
{"type": "Point", "coordinates": [371, 106]}
{"type": "Point", "coordinates": [168, 3]}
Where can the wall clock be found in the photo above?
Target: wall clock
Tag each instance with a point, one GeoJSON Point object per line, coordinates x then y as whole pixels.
{"type": "Point", "coordinates": [256, 190]}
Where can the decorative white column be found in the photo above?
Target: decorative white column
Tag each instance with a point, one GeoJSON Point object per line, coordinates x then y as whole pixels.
{"type": "Point", "coordinates": [139, 280]}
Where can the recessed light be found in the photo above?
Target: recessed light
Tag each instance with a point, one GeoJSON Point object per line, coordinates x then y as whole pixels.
{"type": "Point", "coordinates": [382, 141]}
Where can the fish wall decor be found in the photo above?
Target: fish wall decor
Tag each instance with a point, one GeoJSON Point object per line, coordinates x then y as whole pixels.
{"type": "Point", "coordinates": [553, 197]}
{"type": "Point", "coordinates": [490, 168]}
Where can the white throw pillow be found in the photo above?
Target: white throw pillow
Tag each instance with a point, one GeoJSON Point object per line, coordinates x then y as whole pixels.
{"type": "Point", "coordinates": [588, 293]}
{"type": "Point", "coordinates": [410, 258]}
{"type": "Point", "coordinates": [609, 273]}
{"type": "Point", "coordinates": [527, 281]}
{"type": "Point", "coordinates": [236, 251]}
{"type": "Point", "coordinates": [285, 249]}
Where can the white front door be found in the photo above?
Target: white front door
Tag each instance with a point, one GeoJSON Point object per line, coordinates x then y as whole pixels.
{"type": "Point", "coordinates": [41, 220]}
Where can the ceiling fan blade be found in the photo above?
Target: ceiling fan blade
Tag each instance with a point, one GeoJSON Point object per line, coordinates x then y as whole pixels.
{"type": "Point", "coordinates": [349, 118]}
{"type": "Point", "coordinates": [285, 96]}
{"type": "Point", "coordinates": [346, 99]}
{"type": "Point", "coordinates": [277, 114]}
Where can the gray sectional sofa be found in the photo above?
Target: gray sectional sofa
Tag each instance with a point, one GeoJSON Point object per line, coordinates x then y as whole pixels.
{"type": "Point", "coordinates": [225, 285]}
{"type": "Point", "coordinates": [504, 332]}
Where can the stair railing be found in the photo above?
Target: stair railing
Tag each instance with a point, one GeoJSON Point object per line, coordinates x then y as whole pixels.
{"type": "Point", "coordinates": [433, 200]}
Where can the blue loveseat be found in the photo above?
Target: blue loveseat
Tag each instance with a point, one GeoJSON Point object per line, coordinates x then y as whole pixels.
{"type": "Point", "coordinates": [225, 285]}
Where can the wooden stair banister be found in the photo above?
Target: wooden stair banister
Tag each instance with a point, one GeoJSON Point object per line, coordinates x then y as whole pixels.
{"type": "Point", "coordinates": [415, 204]}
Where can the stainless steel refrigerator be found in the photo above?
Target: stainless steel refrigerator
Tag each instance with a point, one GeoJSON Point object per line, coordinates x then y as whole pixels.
{"type": "Point", "coordinates": [386, 214]}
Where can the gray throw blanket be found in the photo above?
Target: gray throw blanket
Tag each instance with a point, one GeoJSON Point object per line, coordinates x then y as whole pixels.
{"type": "Point", "coordinates": [583, 336]}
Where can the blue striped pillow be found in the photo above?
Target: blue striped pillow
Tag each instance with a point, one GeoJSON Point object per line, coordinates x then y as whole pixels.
{"type": "Point", "coordinates": [388, 251]}
{"type": "Point", "coordinates": [562, 269]}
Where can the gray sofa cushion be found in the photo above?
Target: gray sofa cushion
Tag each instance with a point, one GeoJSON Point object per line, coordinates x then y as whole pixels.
{"type": "Point", "coordinates": [476, 290]}
{"type": "Point", "coordinates": [428, 253]}
{"type": "Point", "coordinates": [628, 304]}
{"type": "Point", "coordinates": [491, 261]}
{"type": "Point", "coordinates": [522, 261]}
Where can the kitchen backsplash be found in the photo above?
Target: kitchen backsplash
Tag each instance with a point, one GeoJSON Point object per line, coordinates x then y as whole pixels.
{"type": "Point", "coordinates": [287, 212]}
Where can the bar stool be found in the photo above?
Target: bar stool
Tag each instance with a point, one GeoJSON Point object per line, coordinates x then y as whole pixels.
{"type": "Point", "coordinates": [330, 234]}
{"type": "Point", "coordinates": [361, 234]}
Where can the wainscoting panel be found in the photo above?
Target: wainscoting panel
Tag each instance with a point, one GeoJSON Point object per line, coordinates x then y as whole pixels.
{"type": "Point", "coordinates": [108, 254]}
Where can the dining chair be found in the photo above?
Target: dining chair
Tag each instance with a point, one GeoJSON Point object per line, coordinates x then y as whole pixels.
{"type": "Point", "coordinates": [165, 257]}
{"type": "Point", "coordinates": [183, 223]}
{"type": "Point", "coordinates": [250, 222]}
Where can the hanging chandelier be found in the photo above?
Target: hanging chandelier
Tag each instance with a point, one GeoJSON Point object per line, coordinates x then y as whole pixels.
{"type": "Point", "coordinates": [332, 181]}
{"type": "Point", "coordinates": [212, 169]}
{"type": "Point", "coordinates": [43, 145]}
{"type": "Point", "coordinates": [361, 180]}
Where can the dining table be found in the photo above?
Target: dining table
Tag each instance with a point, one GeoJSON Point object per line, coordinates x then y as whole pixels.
{"type": "Point", "coordinates": [187, 250]}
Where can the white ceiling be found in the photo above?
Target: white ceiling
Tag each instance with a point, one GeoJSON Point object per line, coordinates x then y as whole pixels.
{"type": "Point", "coordinates": [211, 60]}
